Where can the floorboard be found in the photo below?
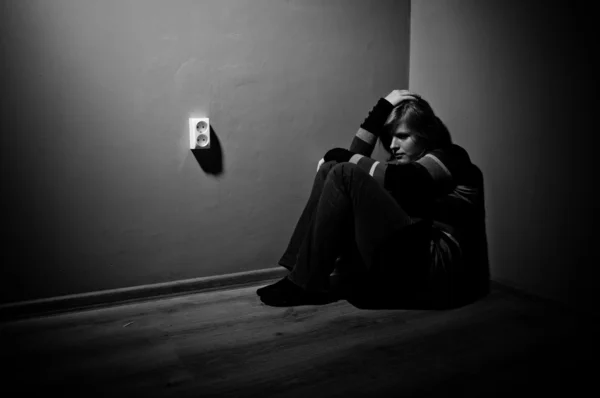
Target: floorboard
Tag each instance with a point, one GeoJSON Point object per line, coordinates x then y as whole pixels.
{"type": "Point", "coordinates": [228, 344]}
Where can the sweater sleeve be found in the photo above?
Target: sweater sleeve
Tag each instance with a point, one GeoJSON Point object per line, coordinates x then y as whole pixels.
{"type": "Point", "coordinates": [363, 142]}
{"type": "Point", "coordinates": [445, 167]}
{"type": "Point", "coordinates": [365, 138]}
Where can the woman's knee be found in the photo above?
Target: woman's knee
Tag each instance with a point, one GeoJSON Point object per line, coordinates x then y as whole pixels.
{"type": "Point", "coordinates": [343, 169]}
{"type": "Point", "coordinates": [342, 173]}
{"type": "Point", "coordinates": [327, 167]}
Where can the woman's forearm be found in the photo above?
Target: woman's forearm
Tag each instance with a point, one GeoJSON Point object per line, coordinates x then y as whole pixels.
{"type": "Point", "coordinates": [363, 142]}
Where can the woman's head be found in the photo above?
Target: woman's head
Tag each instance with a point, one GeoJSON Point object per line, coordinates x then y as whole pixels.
{"type": "Point", "coordinates": [412, 129]}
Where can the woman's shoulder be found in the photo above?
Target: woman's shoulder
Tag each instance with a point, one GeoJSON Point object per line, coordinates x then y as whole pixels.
{"type": "Point", "coordinates": [451, 158]}
{"type": "Point", "coordinates": [456, 162]}
{"type": "Point", "coordinates": [452, 152]}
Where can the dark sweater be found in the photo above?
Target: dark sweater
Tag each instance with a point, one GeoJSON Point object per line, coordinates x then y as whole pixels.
{"type": "Point", "coordinates": [444, 188]}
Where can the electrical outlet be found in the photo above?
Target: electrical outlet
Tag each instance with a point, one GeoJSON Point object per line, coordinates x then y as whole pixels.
{"type": "Point", "coordinates": [199, 133]}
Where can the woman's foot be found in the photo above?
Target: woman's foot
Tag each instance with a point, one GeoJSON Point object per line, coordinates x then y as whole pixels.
{"type": "Point", "coordinates": [285, 293]}
{"type": "Point", "coordinates": [273, 287]}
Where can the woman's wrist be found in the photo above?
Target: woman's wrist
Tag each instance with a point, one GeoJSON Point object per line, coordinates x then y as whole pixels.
{"type": "Point", "coordinates": [377, 116]}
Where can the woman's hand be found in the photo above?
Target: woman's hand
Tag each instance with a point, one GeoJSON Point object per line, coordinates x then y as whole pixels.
{"type": "Point", "coordinates": [397, 96]}
{"type": "Point", "coordinates": [338, 154]}
{"type": "Point", "coordinates": [377, 117]}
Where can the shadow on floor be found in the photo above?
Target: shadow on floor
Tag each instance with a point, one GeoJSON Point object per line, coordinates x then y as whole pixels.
{"type": "Point", "coordinates": [367, 293]}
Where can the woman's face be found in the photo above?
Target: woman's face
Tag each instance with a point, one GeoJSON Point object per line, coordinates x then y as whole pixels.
{"type": "Point", "coordinates": [406, 146]}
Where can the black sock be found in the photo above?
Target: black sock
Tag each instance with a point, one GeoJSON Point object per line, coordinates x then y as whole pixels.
{"type": "Point", "coordinates": [283, 284]}
{"type": "Point", "coordinates": [286, 293]}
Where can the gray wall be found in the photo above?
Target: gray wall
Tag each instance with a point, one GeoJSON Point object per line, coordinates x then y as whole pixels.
{"type": "Point", "coordinates": [514, 82]}
{"type": "Point", "coordinates": [100, 189]}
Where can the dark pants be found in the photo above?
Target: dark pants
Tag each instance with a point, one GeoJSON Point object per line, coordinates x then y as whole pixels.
{"type": "Point", "coordinates": [351, 216]}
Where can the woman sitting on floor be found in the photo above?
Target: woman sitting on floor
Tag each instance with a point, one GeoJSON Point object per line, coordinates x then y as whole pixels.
{"type": "Point", "coordinates": [413, 225]}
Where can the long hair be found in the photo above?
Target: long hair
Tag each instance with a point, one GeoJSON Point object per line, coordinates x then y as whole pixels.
{"type": "Point", "coordinates": [419, 118]}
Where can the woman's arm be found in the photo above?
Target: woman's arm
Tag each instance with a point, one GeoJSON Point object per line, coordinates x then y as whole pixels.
{"type": "Point", "coordinates": [363, 142]}
{"type": "Point", "coordinates": [433, 174]}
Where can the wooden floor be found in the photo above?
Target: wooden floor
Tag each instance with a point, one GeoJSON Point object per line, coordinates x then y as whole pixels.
{"type": "Point", "coordinates": [227, 343]}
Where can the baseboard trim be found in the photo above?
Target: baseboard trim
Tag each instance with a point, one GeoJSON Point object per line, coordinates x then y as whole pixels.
{"type": "Point", "coordinates": [104, 298]}
{"type": "Point", "coordinates": [83, 301]}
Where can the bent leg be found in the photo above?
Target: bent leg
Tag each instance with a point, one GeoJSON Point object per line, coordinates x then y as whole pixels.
{"type": "Point", "coordinates": [350, 193]}
{"type": "Point", "coordinates": [288, 260]}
